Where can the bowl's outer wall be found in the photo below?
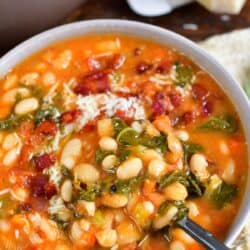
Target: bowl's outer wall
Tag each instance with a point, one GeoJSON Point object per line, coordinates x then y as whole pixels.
{"type": "Point", "coordinates": [159, 35]}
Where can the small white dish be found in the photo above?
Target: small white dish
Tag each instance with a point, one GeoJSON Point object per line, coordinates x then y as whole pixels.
{"type": "Point", "coordinates": [153, 8]}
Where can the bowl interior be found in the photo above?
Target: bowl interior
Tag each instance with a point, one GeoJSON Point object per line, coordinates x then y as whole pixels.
{"type": "Point", "coordinates": [158, 35]}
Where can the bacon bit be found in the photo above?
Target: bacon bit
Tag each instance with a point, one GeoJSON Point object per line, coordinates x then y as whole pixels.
{"type": "Point", "coordinates": [47, 127]}
{"type": "Point", "coordinates": [122, 115]}
{"type": "Point", "coordinates": [40, 186]}
{"type": "Point", "coordinates": [70, 116]}
{"type": "Point", "coordinates": [142, 67]}
{"type": "Point", "coordinates": [176, 99]}
{"type": "Point", "coordinates": [163, 67]}
{"type": "Point", "coordinates": [44, 161]}
{"type": "Point", "coordinates": [199, 92]}
{"type": "Point", "coordinates": [206, 109]}
{"type": "Point", "coordinates": [188, 117]}
{"type": "Point", "coordinates": [96, 82]}
{"type": "Point", "coordinates": [137, 51]}
{"type": "Point", "coordinates": [161, 104]}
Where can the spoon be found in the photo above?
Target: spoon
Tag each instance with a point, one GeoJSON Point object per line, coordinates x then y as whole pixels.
{"type": "Point", "coordinates": [204, 237]}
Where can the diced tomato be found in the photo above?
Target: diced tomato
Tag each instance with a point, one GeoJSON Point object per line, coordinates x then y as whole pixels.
{"type": "Point", "coordinates": [188, 117]}
{"type": "Point", "coordinates": [93, 83]}
{"type": "Point", "coordinates": [44, 161]}
{"type": "Point", "coordinates": [199, 92]}
{"type": "Point", "coordinates": [49, 190]}
{"type": "Point", "coordinates": [143, 67]}
{"type": "Point", "coordinates": [25, 154]}
{"type": "Point", "coordinates": [123, 115]}
{"type": "Point", "coordinates": [161, 104]}
{"type": "Point", "coordinates": [70, 116]}
{"type": "Point", "coordinates": [206, 108]}
{"type": "Point", "coordinates": [163, 67]}
{"type": "Point", "coordinates": [176, 99]}
{"type": "Point", "coordinates": [47, 127]}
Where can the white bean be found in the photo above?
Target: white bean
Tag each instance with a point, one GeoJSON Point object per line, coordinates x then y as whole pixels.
{"type": "Point", "coordinates": [198, 165]}
{"type": "Point", "coordinates": [76, 231]}
{"type": "Point", "coordinates": [107, 237]}
{"type": "Point", "coordinates": [10, 141]}
{"type": "Point", "coordinates": [4, 225]}
{"type": "Point", "coordinates": [228, 174]}
{"type": "Point", "coordinates": [156, 168]}
{"type": "Point", "coordinates": [175, 191]}
{"type": "Point", "coordinates": [109, 162]}
{"type": "Point", "coordinates": [20, 194]}
{"type": "Point", "coordinates": [86, 207]}
{"type": "Point", "coordinates": [49, 228]}
{"type": "Point", "coordinates": [151, 130]}
{"type": "Point", "coordinates": [10, 82]}
{"type": "Point", "coordinates": [10, 157]}
{"type": "Point", "coordinates": [114, 200]}
{"type": "Point", "coordinates": [63, 60]}
{"type": "Point", "coordinates": [10, 96]}
{"type": "Point", "coordinates": [49, 79]}
{"type": "Point", "coordinates": [71, 152]}
{"type": "Point", "coordinates": [149, 207]}
{"type": "Point", "coordinates": [86, 173]}
{"type": "Point", "coordinates": [174, 144]}
{"type": "Point", "coordinates": [29, 79]}
{"type": "Point", "coordinates": [193, 209]}
{"type": "Point", "coordinates": [177, 245]}
{"type": "Point", "coordinates": [164, 220]}
{"type": "Point", "coordinates": [129, 168]}
{"type": "Point", "coordinates": [108, 143]}
{"type": "Point", "coordinates": [148, 155]}
{"type": "Point", "coordinates": [26, 106]}
{"type": "Point", "coordinates": [182, 135]}
{"type": "Point", "coordinates": [105, 127]}
{"type": "Point", "coordinates": [66, 190]}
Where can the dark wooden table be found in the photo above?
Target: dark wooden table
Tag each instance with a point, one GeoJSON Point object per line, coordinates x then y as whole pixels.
{"type": "Point", "coordinates": [207, 23]}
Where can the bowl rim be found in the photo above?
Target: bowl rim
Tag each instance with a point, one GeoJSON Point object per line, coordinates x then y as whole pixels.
{"type": "Point", "coordinates": [161, 36]}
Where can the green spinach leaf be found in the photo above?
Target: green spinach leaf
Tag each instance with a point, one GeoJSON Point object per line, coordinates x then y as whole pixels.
{"type": "Point", "coordinates": [183, 74]}
{"type": "Point", "coordinates": [51, 112]}
{"type": "Point", "coordinates": [226, 124]}
{"type": "Point", "coordinates": [155, 142]}
{"type": "Point", "coordinates": [189, 149]}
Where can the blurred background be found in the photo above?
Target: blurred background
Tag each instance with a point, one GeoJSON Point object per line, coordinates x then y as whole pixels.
{"type": "Point", "coordinates": [20, 19]}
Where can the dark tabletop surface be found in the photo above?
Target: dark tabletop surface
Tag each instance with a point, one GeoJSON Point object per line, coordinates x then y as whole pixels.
{"type": "Point", "coordinates": [207, 23]}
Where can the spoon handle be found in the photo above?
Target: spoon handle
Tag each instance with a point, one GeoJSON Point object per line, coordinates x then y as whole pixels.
{"type": "Point", "coordinates": [201, 235]}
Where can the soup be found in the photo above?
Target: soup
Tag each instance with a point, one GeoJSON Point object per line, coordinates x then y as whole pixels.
{"type": "Point", "coordinates": [107, 141]}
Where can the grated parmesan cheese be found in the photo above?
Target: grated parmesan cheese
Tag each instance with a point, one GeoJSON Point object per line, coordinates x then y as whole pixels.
{"type": "Point", "coordinates": [55, 174]}
{"type": "Point", "coordinates": [55, 205]}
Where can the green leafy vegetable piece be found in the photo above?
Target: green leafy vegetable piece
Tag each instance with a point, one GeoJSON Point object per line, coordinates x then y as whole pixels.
{"type": "Point", "coordinates": [123, 154]}
{"type": "Point", "coordinates": [128, 186]}
{"type": "Point", "coordinates": [172, 177]}
{"type": "Point", "coordinates": [118, 125]}
{"type": "Point", "coordinates": [128, 136]}
{"type": "Point", "coordinates": [7, 206]}
{"type": "Point", "coordinates": [91, 193]}
{"type": "Point", "coordinates": [100, 155]}
{"type": "Point", "coordinates": [188, 179]}
{"type": "Point", "coordinates": [219, 192]}
{"type": "Point", "coordinates": [13, 121]}
{"type": "Point", "coordinates": [50, 112]}
{"type": "Point", "coordinates": [66, 172]}
{"type": "Point", "coordinates": [166, 232]}
{"type": "Point", "coordinates": [226, 124]}
{"type": "Point", "coordinates": [190, 149]}
{"type": "Point", "coordinates": [194, 187]}
{"type": "Point", "coordinates": [183, 74]}
{"type": "Point", "coordinates": [182, 209]}
{"type": "Point", "coordinates": [155, 142]}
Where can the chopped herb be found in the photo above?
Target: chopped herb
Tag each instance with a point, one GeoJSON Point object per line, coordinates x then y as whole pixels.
{"type": "Point", "coordinates": [155, 142]}
{"type": "Point", "coordinates": [118, 125]}
{"type": "Point", "coordinates": [194, 187]}
{"type": "Point", "coordinates": [190, 149]}
{"type": "Point", "coordinates": [50, 112]}
{"type": "Point", "coordinates": [90, 194]}
{"type": "Point", "coordinates": [123, 153]}
{"type": "Point", "coordinates": [226, 124]}
{"type": "Point", "coordinates": [166, 232]}
{"type": "Point", "coordinates": [183, 75]}
{"type": "Point", "coordinates": [13, 121]}
{"type": "Point", "coordinates": [100, 155]}
{"type": "Point", "coordinates": [66, 172]}
{"type": "Point", "coordinates": [128, 136]}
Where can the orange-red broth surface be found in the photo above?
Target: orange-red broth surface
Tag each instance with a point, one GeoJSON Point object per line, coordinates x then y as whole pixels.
{"type": "Point", "coordinates": [106, 141]}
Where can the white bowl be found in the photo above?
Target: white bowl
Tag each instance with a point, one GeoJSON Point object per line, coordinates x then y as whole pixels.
{"type": "Point", "coordinates": [158, 35]}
